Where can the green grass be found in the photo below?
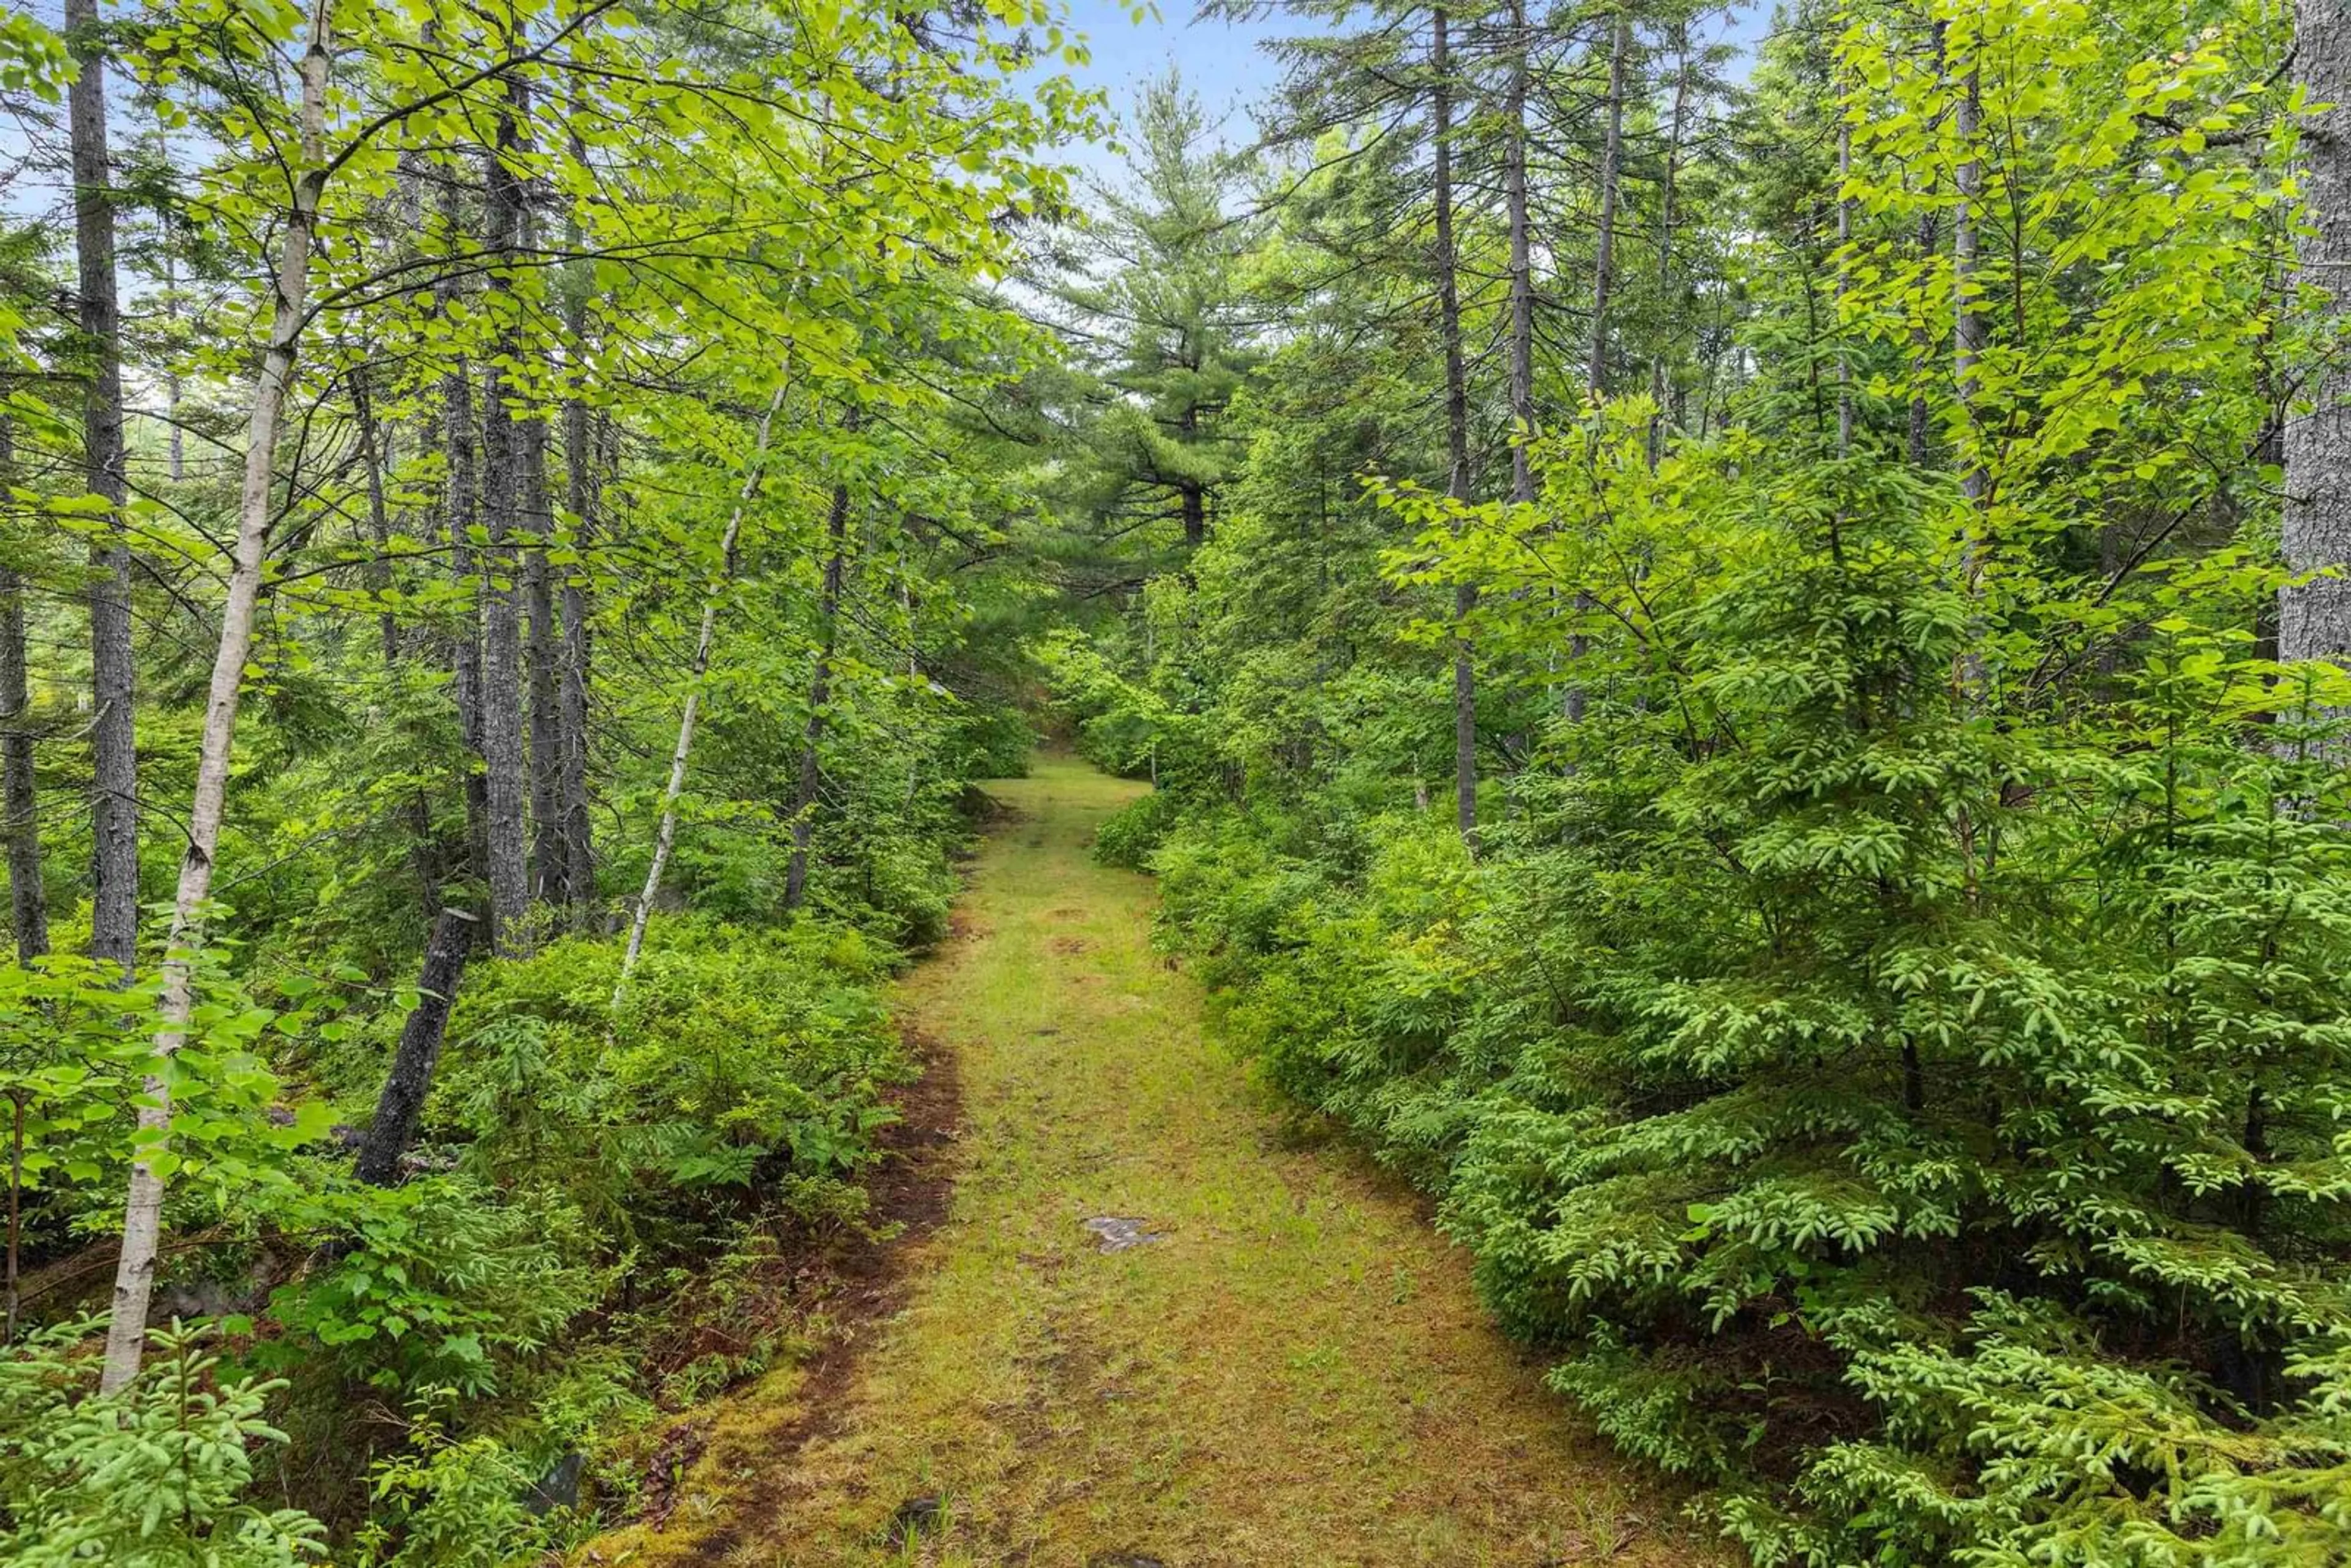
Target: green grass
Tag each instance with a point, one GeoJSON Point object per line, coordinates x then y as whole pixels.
{"type": "Point", "coordinates": [1297, 1374]}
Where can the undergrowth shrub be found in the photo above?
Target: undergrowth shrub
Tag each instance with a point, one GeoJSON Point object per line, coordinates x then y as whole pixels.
{"type": "Point", "coordinates": [156, 1476]}
{"type": "Point", "coordinates": [1132, 833]}
{"type": "Point", "coordinates": [585, 1169]}
{"type": "Point", "coordinates": [1931, 1133]}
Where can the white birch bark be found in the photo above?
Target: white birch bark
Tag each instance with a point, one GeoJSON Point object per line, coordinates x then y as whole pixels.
{"type": "Point", "coordinates": [134, 1279]}
{"type": "Point", "coordinates": [666, 834]}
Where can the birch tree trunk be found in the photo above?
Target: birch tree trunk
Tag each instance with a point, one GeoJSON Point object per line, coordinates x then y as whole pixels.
{"type": "Point", "coordinates": [666, 834]}
{"type": "Point", "coordinates": [1456, 422]}
{"type": "Point", "coordinates": [114, 780]}
{"type": "Point", "coordinates": [2314, 617]}
{"type": "Point", "coordinates": [134, 1279]}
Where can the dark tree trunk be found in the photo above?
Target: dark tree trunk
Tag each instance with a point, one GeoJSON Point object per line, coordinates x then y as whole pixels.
{"type": "Point", "coordinates": [804, 792]}
{"type": "Point", "coordinates": [1522, 275]}
{"type": "Point", "coordinates": [1970, 328]}
{"type": "Point", "coordinates": [578, 832]}
{"type": "Point", "coordinates": [1844, 284]}
{"type": "Point", "coordinates": [1456, 421]}
{"type": "Point", "coordinates": [1612, 159]}
{"type": "Point", "coordinates": [1921, 349]}
{"type": "Point", "coordinates": [551, 877]}
{"type": "Point", "coordinates": [114, 782]}
{"type": "Point", "coordinates": [581, 469]}
{"type": "Point", "coordinates": [2314, 617]}
{"type": "Point", "coordinates": [400, 1104]}
{"type": "Point", "coordinates": [1666, 215]}
{"type": "Point", "coordinates": [460, 503]}
{"type": "Point", "coordinates": [379, 567]}
{"type": "Point", "coordinates": [20, 806]}
{"type": "Point", "coordinates": [505, 455]}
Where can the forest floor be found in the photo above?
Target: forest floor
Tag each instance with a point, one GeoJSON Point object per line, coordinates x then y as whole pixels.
{"type": "Point", "coordinates": [1291, 1370]}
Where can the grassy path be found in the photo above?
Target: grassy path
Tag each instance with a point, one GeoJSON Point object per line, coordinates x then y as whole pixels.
{"type": "Point", "coordinates": [1295, 1372]}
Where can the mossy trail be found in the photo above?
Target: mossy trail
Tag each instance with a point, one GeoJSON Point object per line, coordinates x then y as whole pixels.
{"type": "Point", "coordinates": [1294, 1373]}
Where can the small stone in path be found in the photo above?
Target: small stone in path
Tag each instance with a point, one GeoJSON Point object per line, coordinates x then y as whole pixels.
{"type": "Point", "coordinates": [1124, 1560]}
{"type": "Point", "coordinates": [918, 1516]}
{"type": "Point", "coordinates": [1117, 1234]}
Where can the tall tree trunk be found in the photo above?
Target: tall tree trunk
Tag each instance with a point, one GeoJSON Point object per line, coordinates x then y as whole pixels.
{"type": "Point", "coordinates": [114, 780]}
{"type": "Point", "coordinates": [506, 452]}
{"type": "Point", "coordinates": [582, 496]}
{"type": "Point", "coordinates": [19, 805]}
{"type": "Point", "coordinates": [551, 876]}
{"type": "Point", "coordinates": [1844, 284]}
{"type": "Point", "coordinates": [2314, 617]}
{"type": "Point", "coordinates": [1456, 423]}
{"type": "Point", "coordinates": [134, 1278]}
{"type": "Point", "coordinates": [401, 1103]}
{"type": "Point", "coordinates": [804, 792]}
{"type": "Point", "coordinates": [666, 834]}
{"type": "Point", "coordinates": [175, 439]}
{"type": "Point", "coordinates": [1522, 275]}
{"type": "Point", "coordinates": [461, 508]}
{"type": "Point", "coordinates": [1969, 326]}
{"type": "Point", "coordinates": [1667, 216]}
{"type": "Point", "coordinates": [379, 567]}
{"type": "Point", "coordinates": [1604, 279]}
{"type": "Point", "coordinates": [1930, 240]}
{"type": "Point", "coordinates": [1612, 159]}
{"type": "Point", "coordinates": [579, 829]}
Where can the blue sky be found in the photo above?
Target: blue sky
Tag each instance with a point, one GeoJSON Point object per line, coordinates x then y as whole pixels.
{"type": "Point", "coordinates": [1221, 60]}
{"type": "Point", "coordinates": [1222, 63]}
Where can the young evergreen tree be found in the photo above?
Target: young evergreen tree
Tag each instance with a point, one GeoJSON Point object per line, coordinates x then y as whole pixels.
{"type": "Point", "coordinates": [1165, 322]}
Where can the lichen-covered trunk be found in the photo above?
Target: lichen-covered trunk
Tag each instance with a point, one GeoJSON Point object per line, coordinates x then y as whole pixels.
{"type": "Point", "coordinates": [2314, 615]}
{"type": "Point", "coordinates": [1522, 273]}
{"type": "Point", "coordinates": [373, 458]}
{"type": "Point", "coordinates": [550, 872]}
{"type": "Point", "coordinates": [582, 472]}
{"type": "Point", "coordinates": [506, 453]}
{"type": "Point", "coordinates": [461, 515]}
{"type": "Point", "coordinates": [578, 651]}
{"type": "Point", "coordinates": [134, 1278]}
{"type": "Point", "coordinates": [1844, 285]}
{"type": "Point", "coordinates": [1456, 421]}
{"type": "Point", "coordinates": [1604, 252]}
{"type": "Point", "coordinates": [19, 802]}
{"type": "Point", "coordinates": [1663, 390]}
{"type": "Point", "coordinates": [114, 754]}
{"type": "Point", "coordinates": [1970, 330]}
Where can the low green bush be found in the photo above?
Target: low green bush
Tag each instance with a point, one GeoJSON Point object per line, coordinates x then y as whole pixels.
{"type": "Point", "coordinates": [1932, 1138]}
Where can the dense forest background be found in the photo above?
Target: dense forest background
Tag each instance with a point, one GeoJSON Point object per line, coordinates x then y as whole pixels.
{"type": "Point", "coordinates": [1742, 660]}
